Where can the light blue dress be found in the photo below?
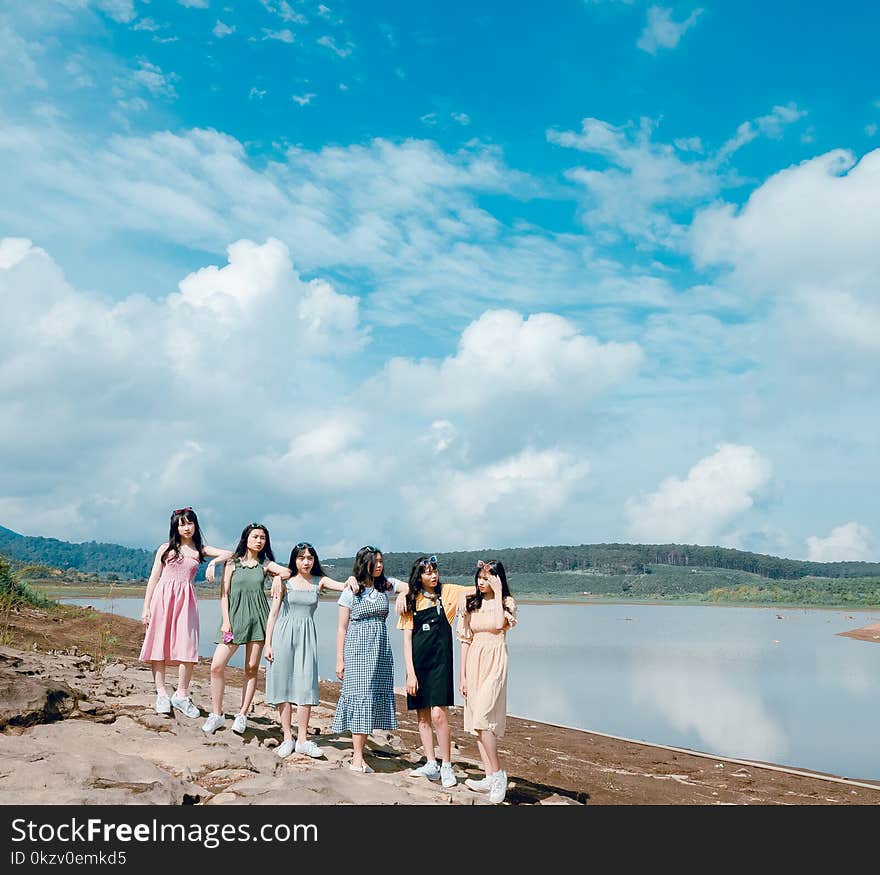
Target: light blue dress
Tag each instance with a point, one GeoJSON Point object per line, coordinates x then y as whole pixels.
{"type": "Point", "coordinates": [293, 674]}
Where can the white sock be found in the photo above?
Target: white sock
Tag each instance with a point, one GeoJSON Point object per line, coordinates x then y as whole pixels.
{"type": "Point", "coordinates": [446, 763]}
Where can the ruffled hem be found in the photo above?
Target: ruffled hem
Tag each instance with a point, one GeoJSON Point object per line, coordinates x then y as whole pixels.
{"type": "Point", "coordinates": [363, 716]}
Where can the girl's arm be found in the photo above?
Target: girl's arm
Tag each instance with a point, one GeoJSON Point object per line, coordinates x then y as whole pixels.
{"type": "Point", "coordinates": [219, 556]}
{"type": "Point", "coordinates": [155, 573]}
{"type": "Point", "coordinates": [270, 624]}
{"type": "Point", "coordinates": [496, 608]}
{"type": "Point", "coordinates": [335, 585]}
{"type": "Point", "coordinates": [402, 593]}
{"type": "Point", "coordinates": [281, 571]}
{"type": "Point", "coordinates": [226, 625]}
{"type": "Point", "coordinates": [341, 629]}
{"type": "Point", "coordinates": [465, 635]}
{"type": "Point", "coordinates": [412, 682]}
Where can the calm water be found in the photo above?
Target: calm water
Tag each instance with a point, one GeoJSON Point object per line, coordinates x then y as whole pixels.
{"type": "Point", "coordinates": [732, 681]}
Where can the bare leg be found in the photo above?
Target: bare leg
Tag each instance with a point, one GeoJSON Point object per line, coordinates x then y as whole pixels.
{"type": "Point", "coordinates": [441, 726]}
{"type": "Point", "coordinates": [284, 710]}
{"type": "Point", "coordinates": [303, 712]}
{"type": "Point", "coordinates": [158, 667]}
{"type": "Point", "coordinates": [222, 655]}
{"type": "Point", "coordinates": [426, 734]}
{"type": "Point", "coordinates": [358, 742]}
{"type": "Point", "coordinates": [253, 652]}
{"type": "Point", "coordinates": [488, 750]}
{"type": "Point", "coordinates": [184, 676]}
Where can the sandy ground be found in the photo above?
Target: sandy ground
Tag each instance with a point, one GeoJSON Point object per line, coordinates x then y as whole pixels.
{"type": "Point", "coordinates": [544, 762]}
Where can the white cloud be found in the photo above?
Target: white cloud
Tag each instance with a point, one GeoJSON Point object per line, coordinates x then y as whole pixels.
{"type": "Point", "coordinates": [807, 238]}
{"type": "Point", "coordinates": [19, 69]}
{"type": "Point", "coordinates": [119, 10]}
{"type": "Point", "coordinates": [284, 11]}
{"type": "Point", "coordinates": [699, 508]}
{"type": "Point", "coordinates": [504, 359]}
{"type": "Point", "coordinates": [303, 99]}
{"type": "Point", "coordinates": [256, 93]}
{"type": "Point", "coordinates": [770, 125]}
{"type": "Point", "coordinates": [461, 118]}
{"type": "Point", "coordinates": [221, 30]}
{"type": "Point", "coordinates": [508, 499]}
{"type": "Point", "coordinates": [330, 43]}
{"type": "Point", "coordinates": [195, 4]}
{"type": "Point", "coordinates": [284, 36]}
{"type": "Point", "coordinates": [648, 182]}
{"type": "Point", "coordinates": [850, 542]}
{"type": "Point", "coordinates": [147, 24]}
{"type": "Point", "coordinates": [662, 31]}
{"type": "Point", "coordinates": [871, 129]}
{"type": "Point", "coordinates": [151, 77]}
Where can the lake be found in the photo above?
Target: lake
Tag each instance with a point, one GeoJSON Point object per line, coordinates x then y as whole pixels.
{"type": "Point", "coordinates": [731, 681]}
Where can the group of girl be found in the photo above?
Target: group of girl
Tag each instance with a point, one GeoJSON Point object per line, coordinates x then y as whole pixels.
{"type": "Point", "coordinates": [285, 632]}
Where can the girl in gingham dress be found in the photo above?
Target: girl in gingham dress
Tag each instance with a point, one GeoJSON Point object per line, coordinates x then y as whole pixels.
{"type": "Point", "coordinates": [364, 662]}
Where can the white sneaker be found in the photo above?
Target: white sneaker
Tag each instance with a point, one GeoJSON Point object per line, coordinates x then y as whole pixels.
{"type": "Point", "coordinates": [213, 723]}
{"type": "Point", "coordinates": [428, 770]}
{"type": "Point", "coordinates": [447, 776]}
{"type": "Point", "coordinates": [163, 704]}
{"type": "Point", "coordinates": [309, 748]}
{"type": "Point", "coordinates": [239, 724]}
{"type": "Point", "coordinates": [185, 706]}
{"type": "Point", "coordinates": [483, 785]}
{"type": "Point", "coordinates": [498, 790]}
{"type": "Point", "coordinates": [285, 749]}
{"type": "Point", "coordinates": [362, 768]}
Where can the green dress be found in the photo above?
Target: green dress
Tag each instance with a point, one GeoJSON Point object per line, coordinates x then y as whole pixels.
{"type": "Point", "coordinates": [248, 606]}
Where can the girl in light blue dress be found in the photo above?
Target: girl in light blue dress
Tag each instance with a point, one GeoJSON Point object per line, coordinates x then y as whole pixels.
{"type": "Point", "coordinates": [292, 647]}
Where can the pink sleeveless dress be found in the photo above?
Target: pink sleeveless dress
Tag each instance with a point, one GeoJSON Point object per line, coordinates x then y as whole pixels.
{"type": "Point", "coordinates": [173, 633]}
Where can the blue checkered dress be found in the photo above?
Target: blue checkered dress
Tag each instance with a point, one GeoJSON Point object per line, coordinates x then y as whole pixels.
{"type": "Point", "coordinates": [367, 699]}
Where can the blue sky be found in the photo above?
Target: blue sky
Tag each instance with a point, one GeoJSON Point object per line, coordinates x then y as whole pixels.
{"type": "Point", "coordinates": [441, 276]}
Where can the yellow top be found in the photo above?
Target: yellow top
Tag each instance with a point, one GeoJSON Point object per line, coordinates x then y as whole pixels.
{"type": "Point", "coordinates": [449, 596]}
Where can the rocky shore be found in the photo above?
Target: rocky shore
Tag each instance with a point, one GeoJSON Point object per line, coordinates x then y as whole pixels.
{"type": "Point", "coordinates": [78, 727]}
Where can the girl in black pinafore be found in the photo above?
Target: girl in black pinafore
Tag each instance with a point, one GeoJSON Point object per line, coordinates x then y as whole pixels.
{"type": "Point", "coordinates": [427, 649]}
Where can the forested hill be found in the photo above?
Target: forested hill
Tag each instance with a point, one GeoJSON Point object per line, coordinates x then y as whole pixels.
{"type": "Point", "coordinates": [630, 559]}
{"type": "Point", "coordinates": [127, 562]}
{"type": "Point", "coordinates": [610, 559]}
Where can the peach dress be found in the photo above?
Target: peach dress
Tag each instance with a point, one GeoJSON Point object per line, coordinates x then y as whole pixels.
{"type": "Point", "coordinates": [485, 706]}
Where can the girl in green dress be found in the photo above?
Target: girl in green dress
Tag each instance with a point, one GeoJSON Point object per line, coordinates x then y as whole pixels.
{"type": "Point", "coordinates": [245, 610]}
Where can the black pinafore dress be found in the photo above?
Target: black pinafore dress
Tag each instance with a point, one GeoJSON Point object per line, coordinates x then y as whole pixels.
{"type": "Point", "coordinates": [432, 658]}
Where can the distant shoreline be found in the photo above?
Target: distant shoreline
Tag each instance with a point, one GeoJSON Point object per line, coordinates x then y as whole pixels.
{"type": "Point", "coordinates": [123, 591]}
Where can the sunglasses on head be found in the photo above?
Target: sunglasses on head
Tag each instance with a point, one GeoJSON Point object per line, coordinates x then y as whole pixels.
{"type": "Point", "coordinates": [425, 563]}
{"type": "Point", "coordinates": [303, 544]}
{"type": "Point", "coordinates": [257, 526]}
{"type": "Point", "coordinates": [371, 549]}
{"type": "Point", "coordinates": [182, 510]}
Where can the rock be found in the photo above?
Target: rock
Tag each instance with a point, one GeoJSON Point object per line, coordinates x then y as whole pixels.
{"type": "Point", "coordinates": [113, 671]}
{"type": "Point", "coordinates": [28, 701]}
{"type": "Point", "coordinates": [556, 799]}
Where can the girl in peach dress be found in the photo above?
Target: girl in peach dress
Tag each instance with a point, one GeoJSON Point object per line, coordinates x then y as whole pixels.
{"type": "Point", "coordinates": [483, 621]}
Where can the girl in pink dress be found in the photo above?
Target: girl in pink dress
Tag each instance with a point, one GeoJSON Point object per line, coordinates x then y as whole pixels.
{"type": "Point", "coordinates": [170, 612]}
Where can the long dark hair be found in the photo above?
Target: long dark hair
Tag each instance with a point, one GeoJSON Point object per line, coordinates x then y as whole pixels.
{"type": "Point", "coordinates": [365, 564]}
{"type": "Point", "coordinates": [241, 549]}
{"type": "Point", "coordinates": [473, 602]}
{"type": "Point", "coordinates": [188, 515]}
{"type": "Point", "coordinates": [297, 551]}
{"type": "Point", "coordinates": [423, 563]}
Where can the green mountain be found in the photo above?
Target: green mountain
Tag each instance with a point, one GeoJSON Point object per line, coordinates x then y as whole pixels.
{"type": "Point", "coordinates": [92, 556]}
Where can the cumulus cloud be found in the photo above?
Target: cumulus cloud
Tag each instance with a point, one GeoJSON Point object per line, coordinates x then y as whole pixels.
{"type": "Point", "coordinates": [662, 31]}
{"type": "Point", "coordinates": [509, 499]}
{"type": "Point", "coordinates": [850, 542]}
{"type": "Point", "coordinates": [807, 239]}
{"type": "Point", "coordinates": [506, 359]}
{"type": "Point", "coordinates": [699, 508]}
{"type": "Point", "coordinates": [221, 30]}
